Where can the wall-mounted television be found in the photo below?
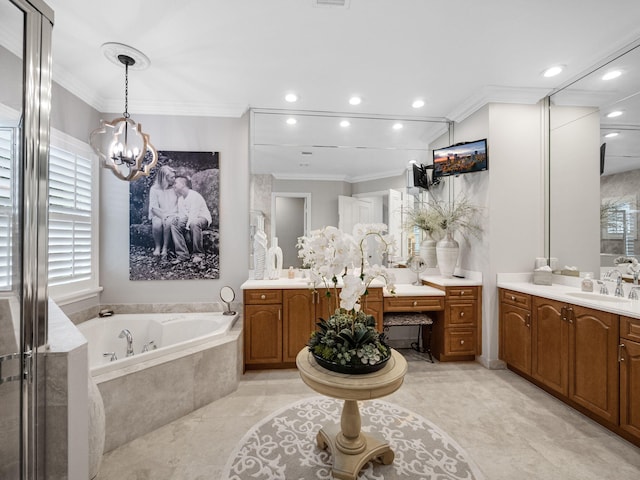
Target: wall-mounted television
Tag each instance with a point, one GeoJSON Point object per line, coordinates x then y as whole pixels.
{"type": "Point", "coordinates": [460, 158]}
{"type": "Point", "coordinates": [421, 177]}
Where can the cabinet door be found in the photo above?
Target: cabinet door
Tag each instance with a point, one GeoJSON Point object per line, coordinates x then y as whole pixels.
{"type": "Point", "coordinates": [549, 359]}
{"type": "Point", "coordinates": [593, 361]}
{"type": "Point", "coordinates": [299, 321]}
{"type": "Point", "coordinates": [630, 387]}
{"type": "Point", "coordinates": [263, 334]}
{"type": "Point", "coordinates": [515, 338]}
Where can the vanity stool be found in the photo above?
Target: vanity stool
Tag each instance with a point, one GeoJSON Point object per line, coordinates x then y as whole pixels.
{"type": "Point", "coordinates": [395, 319]}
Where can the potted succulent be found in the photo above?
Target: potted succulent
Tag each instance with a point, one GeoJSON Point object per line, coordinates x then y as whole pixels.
{"type": "Point", "coordinates": [347, 341]}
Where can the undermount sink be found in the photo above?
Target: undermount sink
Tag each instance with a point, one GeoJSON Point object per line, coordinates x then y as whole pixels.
{"type": "Point", "coordinates": [597, 297]}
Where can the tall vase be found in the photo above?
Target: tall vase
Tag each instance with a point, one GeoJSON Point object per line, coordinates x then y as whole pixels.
{"type": "Point", "coordinates": [447, 251]}
{"type": "Point", "coordinates": [259, 254]}
{"type": "Point", "coordinates": [428, 251]}
{"type": "Point", "coordinates": [274, 260]}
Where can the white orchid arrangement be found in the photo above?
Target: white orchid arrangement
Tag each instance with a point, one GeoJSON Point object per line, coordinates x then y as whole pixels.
{"type": "Point", "coordinates": [348, 337]}
{"type": "Point", "coordinates": [334, 255]}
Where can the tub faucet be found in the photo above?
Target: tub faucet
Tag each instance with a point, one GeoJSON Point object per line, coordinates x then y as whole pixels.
{"type": "Point", "coordinates": [146, 346]}
{"type": "Point", "coordinates": [112, 356]}
{"type": "Point", "coordinates": [127, 334]}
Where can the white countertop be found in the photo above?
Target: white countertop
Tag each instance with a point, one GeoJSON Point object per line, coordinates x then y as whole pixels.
{"type": "Point", "coordinates": [564, 293]}
{"type": "Point", "coordinates": [409, 290]}
{"type": "Point", "coordinates": [404, 278]}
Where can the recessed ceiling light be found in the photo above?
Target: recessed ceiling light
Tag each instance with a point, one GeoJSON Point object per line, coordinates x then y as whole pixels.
{"type": "Point", "coordinates": [345, 123]}
{"type": "Point", "coordinates": [418, 103]}
{"type": "Point", "coordinates": [291, 97]}
{"type": "Point", "coordinates": [355, 100]}
{"type": "Point", "coordinates": [612, 134]}
{"type": "Point", "coordinates": [614, 114]}
{"type": "Point", "coordinates": [553, 71]}
{"type": "Point", "coordinates": [397, 126]}
{"type": "Point", "coordinates": [611, 75]}
{"type": "Point", "coordinates": [291, 121]}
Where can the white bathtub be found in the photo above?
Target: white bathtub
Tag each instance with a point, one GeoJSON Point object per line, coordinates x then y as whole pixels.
{"type": "Point", "coordinates": [198, 360]}
{"type": "Point", "coordinates": [170, 332]}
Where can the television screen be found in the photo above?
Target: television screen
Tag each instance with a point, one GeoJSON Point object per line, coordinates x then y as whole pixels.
{"type": "Point", "coordinates": [460, 158]}
{"type": "Point", "coordinates": [420, 177]}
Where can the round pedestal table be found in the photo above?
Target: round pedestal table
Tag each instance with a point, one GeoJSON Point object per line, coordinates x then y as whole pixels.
{"type": "Point", "coordinates": [350, 448]}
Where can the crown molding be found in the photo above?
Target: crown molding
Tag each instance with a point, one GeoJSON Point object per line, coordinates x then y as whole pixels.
{"type": "Point", "coordinates": [338, 178]}
{"type": "Point", "coordinates": [102, 105]}
{"type": "Point", "coordinates": [497, 94]}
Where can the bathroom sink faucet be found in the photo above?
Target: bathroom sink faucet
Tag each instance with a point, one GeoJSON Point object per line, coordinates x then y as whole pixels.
{"type": "Point", "coordinates": [619, 292]}
{"type": "Point", "coordinates": [127, 334]}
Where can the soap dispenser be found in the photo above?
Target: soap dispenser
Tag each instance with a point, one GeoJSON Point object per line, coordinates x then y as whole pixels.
{"type": "Point", "coordinates": [587, 282]}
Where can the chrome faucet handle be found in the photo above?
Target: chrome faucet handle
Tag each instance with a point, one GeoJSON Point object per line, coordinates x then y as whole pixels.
{"type": "Point", "coordinates": [146, 346]}
{"type": "Point", "coordinates": [619, 292]}
{"type": "Point", "coordinates": [633, 293]}
{"type": "Point", "coordinates": [603, 287]}
{"type": "Point", "coordinates": [112, 356]}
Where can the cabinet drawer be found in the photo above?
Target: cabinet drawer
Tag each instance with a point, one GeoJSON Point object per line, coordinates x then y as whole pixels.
{"type": "Point", "coordinates": [521, 300]}
{"type": "Point", "coordinates": [413, 304]}
{"type": "Point", "coordinates": [630, 328]}
{"type": "Point", "coordinates": [374, 295]}
{"type": "Point", "coordinates": [261, 297]}
{"type": "Point", "coordinates": [462, 292]}
{"type": "Point", "coordinates": [460, 341]}
{"type": "Point", "coordinates": [461, 314]}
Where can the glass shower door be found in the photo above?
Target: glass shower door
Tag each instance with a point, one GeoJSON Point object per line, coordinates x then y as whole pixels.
{"type": "Point", "coordinates": [25, 86]}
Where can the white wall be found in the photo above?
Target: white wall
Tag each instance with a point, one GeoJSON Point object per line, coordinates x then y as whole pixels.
{"type": "Point", "coordinates": [512, 195]}
{"type": "Point", "coordinates": [230, 138]}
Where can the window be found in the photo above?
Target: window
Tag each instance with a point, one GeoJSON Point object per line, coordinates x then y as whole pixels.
{"type": "Point", "coordinates": [6, 206]}
{"type": "Point", "coordinates": [73, 212]}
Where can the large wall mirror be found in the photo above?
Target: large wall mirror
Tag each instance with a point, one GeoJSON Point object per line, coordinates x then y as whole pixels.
{"type": "Point", "coordinates": [334, 169]}
{"type": "Point", "coordinates": [594, 166]}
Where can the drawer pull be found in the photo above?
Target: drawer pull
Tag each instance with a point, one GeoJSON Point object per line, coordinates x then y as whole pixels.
{"type": "Point", "coordinates": [513, 298]}
{"type": "Point", "coordinates": [462, 314]}
{"type": "Point", "coordinates": [263, 297]}
{"type": "Point", "coordinates": [620, 356]}
{"type": "Point", "coordinates": [461, 292]}
{"type": "Point", "coordinates": [415, 303]}
{"type": "Point", "coordinates": [461, 342]}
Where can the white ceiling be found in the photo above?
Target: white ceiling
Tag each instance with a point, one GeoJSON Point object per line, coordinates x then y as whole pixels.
{"type": "Point", "coordinates": [221, 57]}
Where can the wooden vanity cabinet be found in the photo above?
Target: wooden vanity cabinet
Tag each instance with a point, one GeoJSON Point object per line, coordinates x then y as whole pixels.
{"type": "Point", "coordinates": [629, 355]}
{"type": "Point", "coordinates": [262, 327]}
{"type": "Point", "coordinates": [457, 332]}
{"type": "Point", "coordinates": [278, 322]}
{"type": "Point", "coordinates": [515, 330]}
{"type": "Point", "coordinates": [575, 353]}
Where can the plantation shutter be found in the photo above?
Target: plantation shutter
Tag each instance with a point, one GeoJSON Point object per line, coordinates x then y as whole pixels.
{"type": "Point", "coordinates": [6, 207]}
{"type": "Point", "coordinates": [70, 226]}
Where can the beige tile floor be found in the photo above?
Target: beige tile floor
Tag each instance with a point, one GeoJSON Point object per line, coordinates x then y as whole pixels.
{"type": "Point", "coordinates": [511, 429]}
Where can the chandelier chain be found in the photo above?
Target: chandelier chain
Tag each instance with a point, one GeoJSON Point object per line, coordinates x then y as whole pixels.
{"type": "Point", "coordinates": [126, 91]}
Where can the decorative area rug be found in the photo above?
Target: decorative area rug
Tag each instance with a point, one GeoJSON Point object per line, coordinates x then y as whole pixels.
{"type": "Point", "coordinates": [283, 445]}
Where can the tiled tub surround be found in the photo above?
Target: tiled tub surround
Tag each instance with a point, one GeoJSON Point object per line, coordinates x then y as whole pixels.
{"type": "Point", "coordinates": [143, 396]}
{"type": "Point", "coordinates": [153, 334]}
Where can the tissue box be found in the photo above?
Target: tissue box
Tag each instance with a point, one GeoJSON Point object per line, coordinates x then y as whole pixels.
{"type": "Point", "coordinates": [570, 273]}
{"type": "Point", "coordinates": [542, 278]}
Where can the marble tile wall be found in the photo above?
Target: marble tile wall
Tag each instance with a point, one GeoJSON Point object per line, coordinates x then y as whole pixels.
{"type": "Point", "coordinates": [152, 395]}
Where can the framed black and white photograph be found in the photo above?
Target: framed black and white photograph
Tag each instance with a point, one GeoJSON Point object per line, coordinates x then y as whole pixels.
{"type": "Point", "coordinates": [174, 219]}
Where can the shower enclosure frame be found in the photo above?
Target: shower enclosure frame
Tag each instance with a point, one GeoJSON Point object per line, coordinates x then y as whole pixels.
{"type": "Point", "coordinates": [29, 256]}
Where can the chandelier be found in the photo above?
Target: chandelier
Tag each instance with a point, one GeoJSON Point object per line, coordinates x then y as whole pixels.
{"type": "Point", "coordinates": [121, 144]}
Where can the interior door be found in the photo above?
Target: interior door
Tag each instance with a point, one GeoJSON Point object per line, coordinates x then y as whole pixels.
{"type": "Point", "coordinates": [25, 89]}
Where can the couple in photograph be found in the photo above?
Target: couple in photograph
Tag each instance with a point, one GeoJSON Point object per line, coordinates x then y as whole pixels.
{"type": "Point", "coordinates": [177, 212]}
